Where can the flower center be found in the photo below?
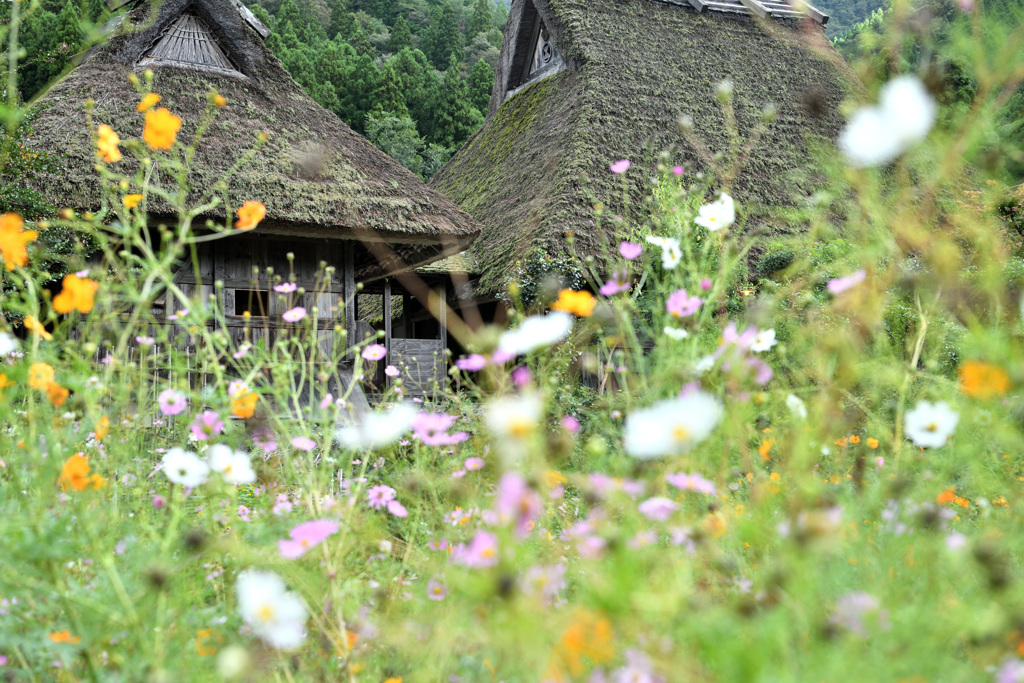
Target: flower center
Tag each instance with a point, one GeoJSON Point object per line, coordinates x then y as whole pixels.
{"type": "Point", "coordinates": [680, 433]}
{"type": "Point", "coordinates": [266, 613]}
{"type": "Point", "coordinates": [932, 427]}
{"type": "Point", "coordinates": [519, 427]}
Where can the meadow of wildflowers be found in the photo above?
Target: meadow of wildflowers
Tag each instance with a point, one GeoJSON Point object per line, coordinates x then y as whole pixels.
{"type": "Point", "coordinates": [815, 474]}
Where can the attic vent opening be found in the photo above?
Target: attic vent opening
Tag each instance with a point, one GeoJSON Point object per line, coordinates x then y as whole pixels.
{"type": "Point", "coordinates": [535, 55]}
{"type": "Point", "coordinates": [189, 43]}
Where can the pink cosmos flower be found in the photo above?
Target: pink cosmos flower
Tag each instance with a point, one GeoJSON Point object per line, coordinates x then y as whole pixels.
{"type": "Point", "coordinates": [171, 402]}
{"type": "Point", "coordinates": [285, 287]}
{"type": "Point", "coordinates": [682, 305]}
{"type": "Point", "coordinates": [522, 376]}
{"type": "Point", "coordinates": [305, 537]}
{"type": "Point", "coordinates": [392, 371]}
{"type": "Point", "coordinates": [481, 552]}
{"type": "Point", "coordinates": [474, 362]}
{"type": "Point", "coordinates": [472, 464]}
{"type": "Point", "coordinates": [282, 505]}
{"type": "Point", "coordinates": [658, 509]}
{"type": "Point", "coordinates": [517, 503]}
{"type": "Point", "coordinates": [263, 438]}
{"type": "Point", "coordinates": [743, 340]}
{"type": "Point", "coordinates": [375, 352]}
{"type": "Point", "coordinates": [145, 341]}
{"type": "Point", "coordinates": [838, 285]}
{"type": "Point", "coordinates": [691, 482]}
{"type": "Point", "coordinates": [620, 166]}
{"type": "Point", "coordinates": [677, 170]}
{"type": "Point", "coordinates": [432, 428]}
{"type": "Point", "coordinates": [243, 513]}
{"type": "Point", "coordinates": [705, 283]}
{"type": "Point", "coordinates": [294, 315]}
{"type": "Point", "coordinates": [616, 285]}
{"type": "Point", "coordinates": [178, 314]}
{"type": "Point", "coordinates": [303, 443]}
{"type": "Point", "coordinates": [762, 371]}
{"type": "Point", "coordinates": [436, 590]}
{"type": "Point", "coordinates": [207, 425]}
{"type": "Point", "coordinates": [397, 509]}
{"type": "Point", "coordinates": [379, 496]}
{"type": "Point", "coordinates": [629, 250]}
{"type": "Point", "coordinates": [159, 501]}
{"type": "Point", "coordinates": [242, 351]}
{"type": "Point", "coordinates": [571, 424]}
{"type": "Point", "coordinates": [82, 273]}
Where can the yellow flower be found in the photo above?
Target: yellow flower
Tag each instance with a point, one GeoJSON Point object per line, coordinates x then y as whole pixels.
{"type": "Point", "coordinates": [131, 200]}
{"type": "Point", "coordinates": [872, 442]}
{"type": "Point", "coordinates": [243, 404]}
{"type": "Point", "coordinates": [206, 642]}
{"type": "Point", "coordinates": [75, 475]}
{"type": "Point", "coordinates": [578, 303]}
{"type": "Point", "coordinates": [65, 637]}
{"type": "Point", "coordinates": [219, 101]}
{"type": "Point", "coordinates": [983, 380]}
{"type": "Point", "coordinates": [35, 327]}
{"type": "Point", "coordinates": [102, 428]}
{"type": "Point", "coordinates": [106, 144]}
{"type": "Point", "coordinates": [148, 102]}
{"type": "Point", "coordinates": [250, 214]}
{"type": "Point", "coordinates": [13, 238]}
{"type": "Point", "coordinates": [161, 128]}
{"type": "Point", "coordinates": [4, 382]}
{"type": "Point", "coordinates": [76, 295]}
{"type": "Point", "coordinates": [40, 375]}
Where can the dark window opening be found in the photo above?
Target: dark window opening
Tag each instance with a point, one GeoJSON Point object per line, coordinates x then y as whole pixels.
{"type": "Point", "coordinates": [256, 302]}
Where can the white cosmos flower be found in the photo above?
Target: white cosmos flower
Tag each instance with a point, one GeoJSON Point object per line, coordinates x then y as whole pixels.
{"type": "Point", "coordinates": [8, 344]}
{"type": "Point", "coordinates": [672, 426]}
{"type": "Point", "coordinates": [796, 406]}
{"type": "Point", "coordinates": [718, 214]}
{"type": "Point", "coordinates": [876, 135]}
{"type": "Point", "coordinates": [930, 425]}
{"type": "Point", "coordinates": [513, 420]}
{"type": "Point", "coordinates": [537, 331]}
{"type": "Point", "coordinates": [234, 466]}
{"type": "Point", "coordinates": [377, 429]}
{"type": "Point", "coordinates": [185, 468]}
{"type": "Point", "coordinates": [671, 252]}
{"type": "Point", "coordinates": [764, 340]}
{"type": "Point", "coordinates": [274, 613]}
{"type": "Point", "coordinates": [676, 333]}
{"type": "Point", "coordinates": [704, 364]}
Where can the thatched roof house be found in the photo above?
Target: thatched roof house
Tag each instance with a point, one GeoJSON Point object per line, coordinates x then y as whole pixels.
{"type": "Point", "coordinates": [316, 176]}
{"type": "Point", "coordinates": [583, 83]}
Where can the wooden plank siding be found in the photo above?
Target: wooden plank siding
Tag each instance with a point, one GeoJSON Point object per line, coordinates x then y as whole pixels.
{"type": "Point", "coordinates": [422, 363]}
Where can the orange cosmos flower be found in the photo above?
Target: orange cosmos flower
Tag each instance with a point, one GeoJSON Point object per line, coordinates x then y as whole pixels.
{"type": "Point", "coordinates": [57, 394]}
{"type": "Point", "coordinates": [40, 375]}
{"type": "Point", "coordinates": [4, 382]}
{"type": "Point", "coordinates": [106, 144]}
{"type": "Point", "coordinates": [130, 201]}
{"type": "Point", "coordinates": [161, 128]}
{"type": "Point", "coordinates": [148, 102]}
{"type": "Point", "coordinates": [65, 637]}
{"type": "Point", "coordinates": [76, 295]}
{"type": "Point", "coordinates": [243, 404]}
{"type": "Point", "coordinates": [577, 303]}
{"type": "Point", "coordinates": [854, 439]}
{"type": "Point", "coordinates": [946, 496]}
{"type": "Point", "coordinates": [36, 327]}
{"type": "Point", "coordinates": [13, 238]}
{"type": "Point", "coordinates": [250, 214]}
{"type": "Point", "coordinates": [872, 443]}
{"type": "Point", "coordinates": [102, 428]}
{"type": "Point", "coordinates": [765, 449]}
{"type": "Point", "coordinates": [75, 475]}
{"type": "Point", "coordinates": [588, 637]}
{"type": "Point", "coordinates": [219, 101]}
{"type": "Point", "coordinates": [983, 380]}
{"type": "Point", "coordinates": [207, 641]}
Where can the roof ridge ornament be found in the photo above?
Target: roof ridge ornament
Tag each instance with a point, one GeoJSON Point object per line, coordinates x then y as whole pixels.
{"type": "Point", "coordinates": [243, 11]}
{"type": "Point", "coordinates": [763, 9]}
{"type": "Point", "coordinates": [188, 42]}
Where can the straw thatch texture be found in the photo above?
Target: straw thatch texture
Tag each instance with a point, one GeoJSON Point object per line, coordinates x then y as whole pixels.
{"type": "Point", "coordinates": [633, 67]}
{"type": "Point", "coordinates": [316, 176]}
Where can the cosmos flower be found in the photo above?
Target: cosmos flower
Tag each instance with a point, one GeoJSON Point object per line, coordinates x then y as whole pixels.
{"type": "Point", "coordinates": [717, 215]}
{"type": "Point", "coordinates": [481, 552]}
{"type": "Point", "coordinates": [377, 429]}
{"type": "Point", "coordinates": [537, 331]}
{"type": "Point", "coordinates": [691, 482]}
{"type": "Point", "coordinates": [682, 305]}
{"type": "Point", "coordinates": [305, 537]}
{"type": "Point", "coordinates": [375, 352]}
{"type": "Point", "coordinates": [184, 467]}
{"type": "Point", "coordinates": [303, 443]}
{"type": "Point", "coordinates": [274, 613]}
{"type": "Point", "coordinates": [13, 240]}
{"type": "Point", "coordinates": [294, 315]}
{"type": "Point", "coordinates": [629, 250]}
{"type": "Point", "coordinates": [578, 303]}
{"type": "Point", "coordinates": [432, 429]}
{"type": "Point", "coordinates": [161, 128]}
{"type": "Point", "coordinates": [796, 406]}
{"type": "Point", "coordinates": [672, 426]}
{"type": "Point", "coordinates": [149, 101]}
{"type": "Point", "coordinates": [838, 285]}
{"type": "Point", "coordinates": [671, 251]}
{"type": "Point", "coordinates": [75, 474]}
{"type": "Point", "coordinates": [234, 466]}
{"type": "Point", "coordinates": [676, 333]}
{"type": "Point", "coordinates": [620, 166]}
{"type": "Point", "coordinates": [106, 144]}
{"type": "Point", "coordinates": [436, 590]}
{"type": "Point", "coordinates": [658, 508]}
{"type": "Point", "coordinates": [616, 285]}
{"type": "Point", "coordinates": [929, 425]}
{"type": "Point", "coordinates": [876, 135]}
{"type": "Point", "coordinates": [516, 503]}
{"type": "Point", "coordinates": [250, 213]}
{"type": "Point", "coordinates": [392, 371]}
{"type": "Point", "coordinates": [76, 294]}
{"type": "Point", "coordinates": [764, 340]}
{"type": "Point", "coordinates": [472, 464]}
{"type": "Point", "coordinates": [207, 425]}
{"type": "Point", "coordinates": [8, 344]}
{"type": "Point", "coordinates": [285, 287]}
{"type": "Point", "coordinates": [513, 420]}
{"type": "Point", "coordinates": [379, 496]}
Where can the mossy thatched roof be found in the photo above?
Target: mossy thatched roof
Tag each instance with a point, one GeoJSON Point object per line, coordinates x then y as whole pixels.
{"type": "Point", "coordinates": [633, 67]}
{"type": "Point", "coordinates": [315, 176]}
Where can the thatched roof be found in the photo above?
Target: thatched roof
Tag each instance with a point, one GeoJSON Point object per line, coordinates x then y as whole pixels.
{"type": "Point", "coordinates": [623, 71]}
{"type": "Point", "coordinates": [316, 176]}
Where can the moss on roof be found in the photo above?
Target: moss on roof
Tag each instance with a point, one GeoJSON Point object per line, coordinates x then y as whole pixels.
{"type": "Point", "coordinates": [634, 66]}
{"type": "Point", "coordinates": [316, 176]}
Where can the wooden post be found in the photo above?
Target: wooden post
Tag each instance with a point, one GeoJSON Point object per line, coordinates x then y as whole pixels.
{"type": "Point", "coordinates": [443, 317]}
{"type": "Point", "coordinates": [387, 326]}
{"type": "Point", "coordinates": [406, 318]}
{"type": "Point", "coordinates": [349, 293]}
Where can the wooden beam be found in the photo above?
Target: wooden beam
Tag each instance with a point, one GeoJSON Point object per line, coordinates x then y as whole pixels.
{"type": "Point", "coordinates": [755, 8]}
{"type": "Point", "coordinates": [387, 326]}
{"type": "Point", "coordinates": [816, 14]}
{"type": "Point", "coordinates": [698, 5]}
{"type": "Point", "coordinates": [349, 279]}
{"type": "Point", "coordinates": [406, 317]}
{"type": "Point", "coordinates": [443, 317]}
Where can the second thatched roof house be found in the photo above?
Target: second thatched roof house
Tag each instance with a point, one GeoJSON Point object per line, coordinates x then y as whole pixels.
{"type": "Point", "coordinates": [330, 195]}
{"type": "Point", "coordinates": [584, 83]}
